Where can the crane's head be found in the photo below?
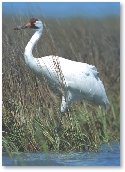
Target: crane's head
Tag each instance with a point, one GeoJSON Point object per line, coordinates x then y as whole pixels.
{"type": "Point", "coordinates": [34, 23]}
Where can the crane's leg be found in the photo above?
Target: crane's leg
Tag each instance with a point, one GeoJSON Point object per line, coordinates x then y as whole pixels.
{"type": "Point", "coordinates": [63, 109]}
{"type": "Point", "coordinates": [64, 105]}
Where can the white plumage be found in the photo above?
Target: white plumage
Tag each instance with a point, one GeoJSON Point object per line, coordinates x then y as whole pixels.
{"type": "Point", "coordinates": [79, 80]}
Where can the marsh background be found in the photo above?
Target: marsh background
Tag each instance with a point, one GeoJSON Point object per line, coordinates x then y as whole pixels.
{"type": "Point", "coordinates": [31, 111]}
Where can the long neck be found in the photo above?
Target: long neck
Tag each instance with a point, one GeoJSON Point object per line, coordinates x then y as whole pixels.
{"type": "Point", "coordinates": [28, 56]}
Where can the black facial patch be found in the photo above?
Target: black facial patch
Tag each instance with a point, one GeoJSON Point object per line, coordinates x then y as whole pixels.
{"type": "Point", "coordinates": [33, 21]}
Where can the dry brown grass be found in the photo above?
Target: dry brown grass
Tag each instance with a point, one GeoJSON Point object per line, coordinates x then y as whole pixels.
{"type": "Point", "coordinates": [95, 42]}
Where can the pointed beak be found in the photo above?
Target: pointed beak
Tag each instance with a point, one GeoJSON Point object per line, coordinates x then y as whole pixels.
{"type": "Point", "coordinates": [23, 26]}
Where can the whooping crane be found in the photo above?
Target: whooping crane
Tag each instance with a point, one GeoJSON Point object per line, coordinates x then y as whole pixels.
{"type": "Point", "coordinates": [70, 79]}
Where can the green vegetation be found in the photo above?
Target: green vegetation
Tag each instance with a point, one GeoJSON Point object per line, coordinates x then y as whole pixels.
{"type": "Point", "coordinates": [31, 111]}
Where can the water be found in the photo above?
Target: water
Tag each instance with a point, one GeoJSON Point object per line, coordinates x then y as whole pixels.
{"type": "Point", "coordinates": [86, 158]}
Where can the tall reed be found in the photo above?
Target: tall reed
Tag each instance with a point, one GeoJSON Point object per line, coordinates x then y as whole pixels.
{"type": "Point", "coordinates": [31, 111]}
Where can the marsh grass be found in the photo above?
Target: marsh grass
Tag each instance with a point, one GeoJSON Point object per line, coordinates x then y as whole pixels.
{"type": "Point", "coordinates": [31, 111]}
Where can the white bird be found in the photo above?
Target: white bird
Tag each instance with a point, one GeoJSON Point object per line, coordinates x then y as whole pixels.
{"type": "Point", "coordinates": [70, 79]}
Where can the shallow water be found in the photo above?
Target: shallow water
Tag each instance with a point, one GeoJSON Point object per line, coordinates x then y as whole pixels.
{"type": "Point", "coordinates": [86, 158]}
